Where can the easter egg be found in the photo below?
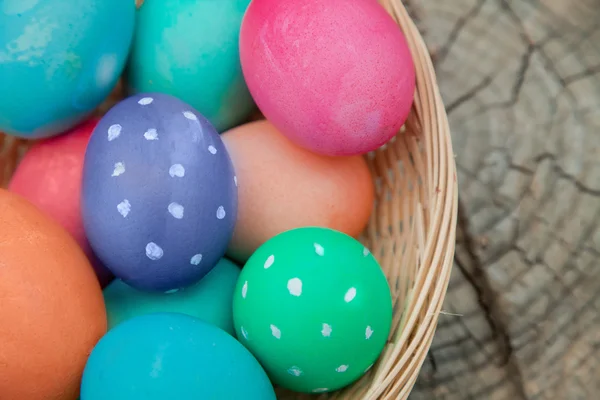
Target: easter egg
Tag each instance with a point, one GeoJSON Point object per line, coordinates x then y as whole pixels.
{"type": "Point", "coordinates": [314, 307]}
{"type": "Point", "coordinates": [209, 300]}
{"type": "Point", "coordinates": [333, 90]}
{"type": "Point", "coordinates": [190, 49]}
{"type": "Point", "coordinates": [59, 60]}
{"type": "Point", "coordinates": [49, 176]}
{"type": "Point", "coordinates": [284, 186]}
{"type": "Point", "coordinates": [51, 305]}
{"type": "Point", "coordinates": [159, 198]}
{"type": "Point", "coordinates": [172, 356]}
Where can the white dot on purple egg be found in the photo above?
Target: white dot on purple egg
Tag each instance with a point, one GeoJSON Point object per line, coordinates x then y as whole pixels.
{"type": "Point", "coordinates": [177, 170]}
{"type": "Point", "coordinates": [114, 131]}
{"type": "Point", "coordinates": [190, 115]}
{"type": "Point", "coordinates": [212, 149]}
{"type": "Point", "coordinates": [221, 212]}
{"type": "Point", "coordinates": [144, 101]}
{"type": "Point", "coordinates": [154, 251]}
{"type": "Point", "coordinates": [176, 210]}
{"type": "Point", "coordinates": [195, 260]}
{"type": "Point", "coordinates": [119, 169]}
{"type": "Point", "coordinates": [151, 134]}
{"type": "Point", "coordinates": [124, 208]}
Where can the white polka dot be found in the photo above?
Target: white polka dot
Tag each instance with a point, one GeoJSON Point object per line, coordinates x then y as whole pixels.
{"type": "Point", "coordinates": [270, 261]}
{"type": "Point", "coordinates": [190, 115]}
{"type": "Point", "coordinates": [145, 101]}
{"type": "Point", "coordinates": [195, 260]}
{"type": "Point", "coordinates": [235, 180]}
{"type": "Point", "coordinates": [275, 332]}
{"type": "Point", "coordinates": [151, 134]}
{"type": "Point", "coordinates": [119, 169]}
{"type": "Point", "coordinates": [177, 170]}
{"type": "Point", "coordinates": [296, 371]}
{"type": "Point", "coordinates": [220, 212]}
{"type": "Point", "coordinates": [368, 332]}
{"type": "Point", "coordinates": [153, 251]}
{"type": "Point", "coordinates": [244, 290]}
{"type": "Point", "coordinates": [320, 390]}
{"type": "Point", "coordinates": [244, 332]}
{"type": "Point", "coordinates": [342, 368]}
{"type": "Point", "coordinates": [212, 149]}
{"type": "Point", "coordinates": [114, 131]}
{"type": "Point", "coordinates": [124, 207]}
{"type": "Point", "coordinates": [326, 331]}
{"type": "Point", "coordinates": [172, 291]}
{"type": "Point", "coordinates": [319, 249]}
{"type": "Point", "coordinates": [365, 251]}
{"type": "Point", "coordinates": [176, 210]}
{"type": "Point", "coordinates": [294, 286]}
{"type": "Point", "coordinates": [350, 294]}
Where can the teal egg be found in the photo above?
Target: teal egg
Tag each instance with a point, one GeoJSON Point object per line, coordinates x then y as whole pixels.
{"type": "Point", "coordinates": [172, 356]}
{"type": "Point", "coordinates": [190, 49]}
{"type": "Point", "coordinates": [209, 300]}
{"type": "Point", "coordinates": [59, 60]}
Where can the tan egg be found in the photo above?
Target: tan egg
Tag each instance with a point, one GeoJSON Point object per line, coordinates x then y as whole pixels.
{"type": "Point", "coordinates": [51, 305]}
{"type": "Point", "coordinates": [283, 186]}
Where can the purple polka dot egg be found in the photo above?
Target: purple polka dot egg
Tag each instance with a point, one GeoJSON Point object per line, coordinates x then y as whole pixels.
{"type": "Point", "coordinates": [159, 194]}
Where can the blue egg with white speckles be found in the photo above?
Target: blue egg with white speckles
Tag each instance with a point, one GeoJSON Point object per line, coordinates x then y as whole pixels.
{"type": "Point", "coordinates": [172, 356]}
{"type": "Point", "coordinates": [159, 193]}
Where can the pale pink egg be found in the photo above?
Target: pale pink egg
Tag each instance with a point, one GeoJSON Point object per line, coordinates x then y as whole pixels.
{"type": "Point", "coordinates": [334, 76]}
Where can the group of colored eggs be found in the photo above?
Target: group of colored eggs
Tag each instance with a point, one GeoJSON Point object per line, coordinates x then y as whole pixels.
{"type": "Point", "coordinates": [121, 238]}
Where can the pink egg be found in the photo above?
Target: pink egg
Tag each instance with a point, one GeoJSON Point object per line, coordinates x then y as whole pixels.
{"type": "Point", "coordinates": [334, 76]}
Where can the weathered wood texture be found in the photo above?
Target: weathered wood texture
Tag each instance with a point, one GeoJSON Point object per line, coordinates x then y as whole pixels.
{"type": "Point", "coordinates": [521, 81]}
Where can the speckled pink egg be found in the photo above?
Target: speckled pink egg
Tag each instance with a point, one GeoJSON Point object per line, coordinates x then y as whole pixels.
{"type": "Point", "coordinates": [334, 76]}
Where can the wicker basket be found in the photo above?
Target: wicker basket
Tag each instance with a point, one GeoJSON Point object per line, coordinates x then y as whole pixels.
{"type": "Point", "coordinates": [411, 231]}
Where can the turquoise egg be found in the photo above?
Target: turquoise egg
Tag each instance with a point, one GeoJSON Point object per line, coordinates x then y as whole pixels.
{"type": "Point", "coordinates": [172, 356]}
{"type": "Point", "coordinates": [59, 60]}
{"type": "Point", "coordinates": [190, 49]}
{"type": "Point", "coordinates": [211, 299]}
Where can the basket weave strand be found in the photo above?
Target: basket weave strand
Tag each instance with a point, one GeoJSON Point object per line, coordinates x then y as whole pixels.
{"type": "Point", "coordinates": [411, 230]}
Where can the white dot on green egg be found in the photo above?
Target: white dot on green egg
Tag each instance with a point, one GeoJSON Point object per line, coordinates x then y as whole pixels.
{"type": "Point", "coordinates": [144, 101]}
{"type": "Point", "coordinates": [320, 390]}
{"type": "Point", "coordinates": [270, 260]}
{"type": "Point", "coordinates": [244, 290]}
{"type": "Point", "coordinates": [190, 115]}
{"type": "Point", "coordinates": [151, 134]}
{"type": "Point", "coordinates": [342, 368]}
{"type": "Point", "coordinates": [365, 251]}
{"type": "Point", "coordinates": [195, 260]}
{"type": "Point", "coordinates": [212, 149]}
{"type": "Point", "coordinates": [275, 332]}
{"type": "Point", "coordinates": [326, 331]}
{"type": "Point", "coordinates": [295, 371]}
{"type": "Point", "coordinates": [176, 210]}
{"type": "Point", "coordinates": [119, 169]}
{"type": "Point", "coordinates": [368, 332]}
{"type": "Point", "coordinates": [114, 131]}
{"type": "Point", "coordinates": [154, 251]}
{"type": "Point", "coordinates": [244, 332]}
{"type": "Point", "coordinates": [294, 286]}
{"type": "Point", "coordinates": [350, 295]}
{"type": "Point", "coordinates": [124, 207]}
{"type": "Point", "coordinates": [177, 170]}
{"type": "Point", "coordinates": [221, 212]}
{"type": "Point", "coordinates": [319, 249]}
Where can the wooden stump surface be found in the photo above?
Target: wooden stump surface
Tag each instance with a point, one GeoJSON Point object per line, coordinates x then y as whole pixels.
{"type": "Point", "coordinates": [521, 81]}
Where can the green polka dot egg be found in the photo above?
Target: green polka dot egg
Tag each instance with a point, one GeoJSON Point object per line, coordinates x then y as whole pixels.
{"type": "Point", "coordinates": [314, 307]}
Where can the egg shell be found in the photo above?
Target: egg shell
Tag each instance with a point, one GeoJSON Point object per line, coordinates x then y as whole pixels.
{"type": "Point", "coordinates": [51, 305]}
{"type": "Point", "coordinates": [172, 356]}
{"type": "Point", "coordinates": [283, 186]}
{"type": "Point", "coordinates": [209, 300]}
{"type": "Point", "coordinates": [190, 49]}
{"type": "Point", "coordinates": [334, 90]}
{"type": "Point", "coordinates": [59, 60]}
{"type": "Point", "coordinates": [314, 307]}
{"type": "Point", "coordinates": [159, 199]}
{"type": "Point", "coordinates": [49, 176]}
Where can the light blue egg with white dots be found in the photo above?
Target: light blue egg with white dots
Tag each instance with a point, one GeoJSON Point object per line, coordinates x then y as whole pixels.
{"type": "Point", "coordinates": [59, 60]}
{"type": "Point", "coordinates": [172, 356]}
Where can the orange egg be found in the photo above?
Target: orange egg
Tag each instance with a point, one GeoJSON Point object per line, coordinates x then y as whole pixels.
{"type": "Point", "coordinates": [51, 305]}
{"type": "Point", "coordinates": [283, 186]}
